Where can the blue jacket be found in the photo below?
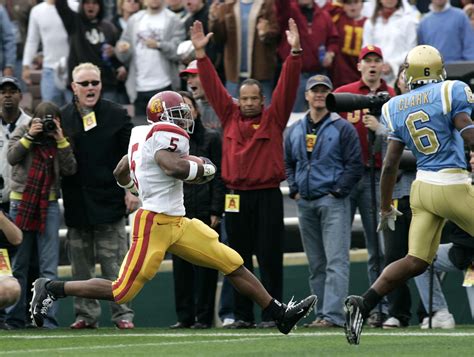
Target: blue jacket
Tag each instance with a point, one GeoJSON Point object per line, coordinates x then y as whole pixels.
{"type": "Point", "coordinates": [335, 165]}
{"type": "Point", "coordinates": [8, 44]}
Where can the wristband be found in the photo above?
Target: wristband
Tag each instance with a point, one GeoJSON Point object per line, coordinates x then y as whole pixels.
{"type": "Point", "coordinates": [297, 52]}
{"type": "Point", "coordinates": [466, 127]}
{"type": "Point", "coordinates": [193, 169]}
{"type": "Point", "coordinates": [128, 186]}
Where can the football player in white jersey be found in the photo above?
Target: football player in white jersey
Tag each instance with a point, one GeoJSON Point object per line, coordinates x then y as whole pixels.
{"type": "Point", "coordinates": [155, 168]}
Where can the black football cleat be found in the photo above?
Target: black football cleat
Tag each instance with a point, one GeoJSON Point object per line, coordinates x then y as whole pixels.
{"type": "Point", "coordinates": [294, 312]}
{"type": "Point", "coordinates": [353, 307]}
{"type": "Point", "coordinates": [41, 301]}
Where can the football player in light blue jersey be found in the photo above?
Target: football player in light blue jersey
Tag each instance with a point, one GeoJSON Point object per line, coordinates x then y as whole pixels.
{"type": "Point", "coordinates": [433, 121]}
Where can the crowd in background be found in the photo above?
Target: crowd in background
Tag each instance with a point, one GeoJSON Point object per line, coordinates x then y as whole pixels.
{"type": "Point", "coordinates": [144, 47]}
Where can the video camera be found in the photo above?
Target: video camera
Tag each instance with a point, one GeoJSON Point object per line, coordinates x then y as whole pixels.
{"type": "Point", "coordinates": [49, 126]}
{"type": "Point", "coordinates": [348, 102]}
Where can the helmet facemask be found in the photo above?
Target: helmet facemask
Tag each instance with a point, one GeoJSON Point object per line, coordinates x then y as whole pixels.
{"type": "Point", "coordinates": [180, 115]}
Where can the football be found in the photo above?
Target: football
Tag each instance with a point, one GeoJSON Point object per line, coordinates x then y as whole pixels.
{"type": "Point", "coordinates": [200, 180]}
{"type": "Point", "coordinates": [196, 159]}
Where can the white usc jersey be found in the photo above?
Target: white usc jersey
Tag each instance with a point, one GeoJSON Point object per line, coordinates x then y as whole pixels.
{"type": "Point", "coordinates": [159, 192]}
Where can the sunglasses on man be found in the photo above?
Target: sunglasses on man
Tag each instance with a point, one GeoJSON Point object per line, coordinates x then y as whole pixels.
{"type": "Point", "coordinates": [87, 83]}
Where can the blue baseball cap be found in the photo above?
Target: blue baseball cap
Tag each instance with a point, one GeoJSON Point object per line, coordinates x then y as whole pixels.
{"type": "Point", "coordinates": [12, 80]}
{"type": "Point", "coordinates": [318, 79]}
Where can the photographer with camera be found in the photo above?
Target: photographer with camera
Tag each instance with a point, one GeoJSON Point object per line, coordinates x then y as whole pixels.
{"type": "Point", "coordinates": [371, 82]}
{"type": "Point", "coordinates": [39, 154]}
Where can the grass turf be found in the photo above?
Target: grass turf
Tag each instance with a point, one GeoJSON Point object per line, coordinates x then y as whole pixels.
{"type": "Point", "coordinates": [219, 342]}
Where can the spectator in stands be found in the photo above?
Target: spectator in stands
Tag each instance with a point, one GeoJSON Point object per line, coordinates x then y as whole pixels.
{"type": "Point", "coordinates": [198, 10]}
{"type": "Point", "coordinates": [10, 236]}
{"type": "Point", "coordinates": [39, 154]}
{"type": "Point", "coordinates": [370, 66]}
{"type": "Point", "coordinates": [19, 14]}
{"type": "Point", "coordinates": [392, 27]}
{"type": "Point", "coordinates": [448, 29]}
{"type": "Point", "coordinates": [319, 40]}
{"type": "Point", "coordinates": [469, 10]}
{"type": "Point", "coordinates": [177, 6]}
{"type": "Point", "coordinates": [195, 286]}
{"type": "Point", "coordinates": [12, 116]}
{"type": "Point", "coordinates": [396, 241]}
{"type": "Point", "coordinates": [248, 30]}
{"type": "Point", "coordinates": [125, 9]}
{"type": "Point", "coordinates": [45, 28]}
{"type": "Point", "coordinates": [252, 167]}
{"type": "Point", "coordinates": [350, 25]}
{"type": "Point", "coordinates": [94, 206]}
{"type": "Point", "coordinates": [148, 47]}
{"type": "Point", "coordinates": [91, 39]}
{"type": "Point", "coordinates": [457, 255]}
{"type": "Point", "coordinates": [209, 118]}
{"type": "Point", "coordinates": [313, 147]}
{"type": "Point", "coordinates": [8, 44]}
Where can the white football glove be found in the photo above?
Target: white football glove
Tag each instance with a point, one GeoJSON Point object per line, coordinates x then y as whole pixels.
{"type": "Point", "coordinates": [387, 220]}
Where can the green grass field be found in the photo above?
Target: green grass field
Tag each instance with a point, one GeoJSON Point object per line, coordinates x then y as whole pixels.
{"type": "Point", "coordinates": [219, 342]}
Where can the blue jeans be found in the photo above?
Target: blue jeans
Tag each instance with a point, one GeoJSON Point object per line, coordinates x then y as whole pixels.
{"type": "Point", "coordinates": [361, 198]}
{"type": "Point", "coordinates": [325, 228]}
{"type": "Point", "coordinates": [47, 244]}
{"type": "Point", "coordinates": [233, 89]}
{"type": "Point", "coordinates": [51, 93]}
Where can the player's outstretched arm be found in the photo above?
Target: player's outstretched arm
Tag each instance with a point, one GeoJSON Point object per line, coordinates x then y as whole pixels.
{"type": "Point", "coordinates": [180, 168]}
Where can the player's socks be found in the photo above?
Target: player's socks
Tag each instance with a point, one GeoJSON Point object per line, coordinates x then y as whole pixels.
{"type": "Point", "coordinates": [275, 309]}
{"type": "Point", "coordinates": [56, 288]}
{"type": "Point", "coordinates": [371, 299]}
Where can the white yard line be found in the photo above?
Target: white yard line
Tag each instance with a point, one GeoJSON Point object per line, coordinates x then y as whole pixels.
{"type": "Point", "coordinates": [231, 334]}
{"type": "Point", "coordinates": [121, 346]}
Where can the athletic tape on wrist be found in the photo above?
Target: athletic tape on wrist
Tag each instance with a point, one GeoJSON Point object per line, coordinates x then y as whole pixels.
{"type": "Point", "coordinates": [193, 169]}
{"type": "Point", "coordinates": [466, 127]}
{"type": "Point", "coordinates": [128, 186]}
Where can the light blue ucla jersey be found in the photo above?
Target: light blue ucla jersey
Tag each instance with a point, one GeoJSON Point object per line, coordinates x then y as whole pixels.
{"type": "Point", "coordinates": [423, 120]}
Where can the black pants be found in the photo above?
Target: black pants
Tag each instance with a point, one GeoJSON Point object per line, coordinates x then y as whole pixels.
{"type": "Point", "coordinates": [142, 100]}
{"type": "Point", "coordinates": [258, 229]}
{"type": "Point", "coordinates": [396, 247]}
{"type": "Point", "coordinates": [194, 290]}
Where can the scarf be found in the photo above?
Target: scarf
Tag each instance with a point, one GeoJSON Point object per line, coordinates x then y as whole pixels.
{"type": "Point", "coordinates": [32, 210]}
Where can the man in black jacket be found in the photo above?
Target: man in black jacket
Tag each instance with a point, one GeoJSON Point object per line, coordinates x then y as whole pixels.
{"type": "Point", "coordinates": [92, 39]}
{"type": "Point", "coordinates": [194, 286]}
{"type": "Point", "coordinates": [94, 205]}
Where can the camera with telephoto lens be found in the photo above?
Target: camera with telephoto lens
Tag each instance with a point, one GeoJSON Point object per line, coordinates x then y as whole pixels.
{"type": "Point", "coordinates": [49, 126]}
{"type": "Point", "coordinates": [348, 102]}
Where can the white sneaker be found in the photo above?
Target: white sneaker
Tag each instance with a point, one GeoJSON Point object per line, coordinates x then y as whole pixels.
{"type": "Point", "coordinates": [392, 322]}
{"type": "Point", "coordinates": [227, 321]}
{"type": "Point", "coordinates": [441, 319]}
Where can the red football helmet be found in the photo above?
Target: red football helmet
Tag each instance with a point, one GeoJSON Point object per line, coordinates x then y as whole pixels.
{"type": "Point", "coordinates": [170, 106]}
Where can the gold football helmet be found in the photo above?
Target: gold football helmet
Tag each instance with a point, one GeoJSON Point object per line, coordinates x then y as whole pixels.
{"type": "Point", "coordinates": [424, 64]}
